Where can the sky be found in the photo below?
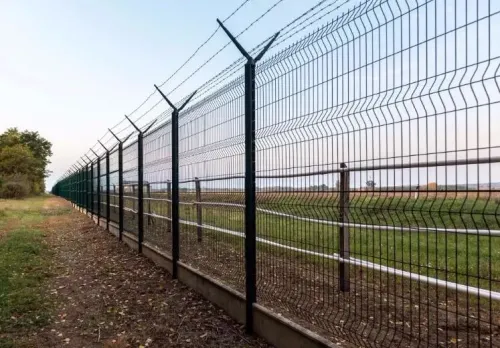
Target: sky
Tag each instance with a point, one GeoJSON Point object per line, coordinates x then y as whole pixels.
{"type": "Point", "coordinates": [71, 69]}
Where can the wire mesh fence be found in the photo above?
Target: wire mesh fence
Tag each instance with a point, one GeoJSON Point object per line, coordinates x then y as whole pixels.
{"type": "Point", "coordinates": [350, 182]}
{"type": "Point", "coordinates": [158, 188]}
{"type": "Point", "coordinates": [114, 204]}
{"type": "Point", "coordinates": [130, 188]}
{"type": "Point", "coordinates": [103, 204]}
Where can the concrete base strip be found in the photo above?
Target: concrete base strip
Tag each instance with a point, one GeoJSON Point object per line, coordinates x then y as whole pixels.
{"type": "Point", "coordinates": [274, 328]}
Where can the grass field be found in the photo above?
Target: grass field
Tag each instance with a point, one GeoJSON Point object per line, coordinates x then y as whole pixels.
{"type": "Point", "coordinates": [456, 257]}
{"type": "Point", "coordinates": [24, 266]}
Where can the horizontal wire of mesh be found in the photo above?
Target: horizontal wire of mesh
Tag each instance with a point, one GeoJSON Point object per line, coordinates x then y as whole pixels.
{"type": "Point", "coordinates": [211, 153]}
{"type": "Point", "coordinates": [130, 188]}
{"type": "Point", "coordinates": [157, 148]}
{"type": "Point", "coordinates": [389, 84]}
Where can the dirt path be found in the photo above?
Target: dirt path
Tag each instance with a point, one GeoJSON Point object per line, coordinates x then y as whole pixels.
{"type": "Point", "coordinates": [105, 295]}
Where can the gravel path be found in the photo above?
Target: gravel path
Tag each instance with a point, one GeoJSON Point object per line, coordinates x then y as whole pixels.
{"type": "Point", "coordinates": [105, 295]}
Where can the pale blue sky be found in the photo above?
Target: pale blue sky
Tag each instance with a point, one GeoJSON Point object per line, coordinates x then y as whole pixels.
{"type": "Point", "coordinates": [71, 69]}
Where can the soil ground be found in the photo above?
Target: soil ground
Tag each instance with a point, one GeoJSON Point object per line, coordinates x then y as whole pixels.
{"type": "Point", "coordinates": [102, 294]}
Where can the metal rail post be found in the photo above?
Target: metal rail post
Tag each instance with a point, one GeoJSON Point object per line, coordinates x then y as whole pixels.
{"type": "Point", "coordinates": [140, 182]}
{"type": "Point", "coordinates": [92, 190]}
{"type": "Point", "coordinates": [250, 176]}
{"type": "Point", "coordinates": [175, 179]}
{"type": "Point", "coordinates": [344, 250]}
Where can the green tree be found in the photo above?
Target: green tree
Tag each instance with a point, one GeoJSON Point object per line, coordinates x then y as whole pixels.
{"type": "Point", "coordinates": [17, 159]}
{"type": "Point", "coordinates": [25, 154]}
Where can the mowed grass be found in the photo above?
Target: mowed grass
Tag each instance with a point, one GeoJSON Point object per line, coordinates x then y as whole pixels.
{"type": "Point", "coordinates": [456, 257]}
{"type": "Point", "coordinates": [24, 266]}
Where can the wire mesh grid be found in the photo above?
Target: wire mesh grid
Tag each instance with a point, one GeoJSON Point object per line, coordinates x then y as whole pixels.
{"type": "Point", "coordinates": [158, 188]}
{"type": "Point", "coordinates": [95, 188]}
{"type": "Point", "coordinates": [130, 188]}
{"type": "Point", "coordinates": [211, 153]}
{"type": "Point", "coordinates": [103, 187]}
{"type": "Point", "coordinates": [378, 176]}
{"type": "Point", "coordinates": [369, 226]}
{"type": "Point", "coordinates": [114, 207]}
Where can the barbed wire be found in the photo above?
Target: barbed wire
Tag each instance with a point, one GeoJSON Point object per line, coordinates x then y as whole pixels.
{"type": "Point", "coordinates": [289, 30]}
{"type": "Point", "coordinates": [203, 44]}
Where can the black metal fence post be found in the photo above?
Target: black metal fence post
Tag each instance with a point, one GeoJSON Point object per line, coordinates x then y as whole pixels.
{"type": "Point", "coordinates": [80, 185]}
{"type": "Point", "coordinates": [250, 177]}
{"type": "Point", "coordinates": [120, 190]}
{"type": "Point", "coordinates": [75, 187]}
{"type": "Point", "coordinates": [250, 194]}
{"type": "Point", "coordinates": [140, 189]}
{"type": "Point", "coordinates": [99, 191]}
{"type": "Point", "coordinates": [87, 188]}
{"type": "Point", "coordinates": [175, 192]}
{"type": "Point", "coordinates": [140, 182]}
{"type": "Point", "coordinates": [76, 183]}
{"type": "Point", "coordinates": [344, 250]}
{"type": "Point", "coordinates": [175, 179]}
{"type": "Point", "coordinates": [92, 190]}
{"type": "Point", "coordinates": [107, 192]}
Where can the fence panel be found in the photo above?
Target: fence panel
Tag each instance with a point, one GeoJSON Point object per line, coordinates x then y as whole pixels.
{"type": "Point", "coordinates": [157, 188]}
{"type": "Point", "coordinates": [130, 189]}
{"type": "Point", "coordinates": [113, 187]}
{"type": "Point", "coordinates": [211, 145]}
{"type": "Point", "coordinates": [102, 186]}
{"type": "Point", "coordinates": [368, 227]}
{"type": "Point", "coordinates": [95, 189]}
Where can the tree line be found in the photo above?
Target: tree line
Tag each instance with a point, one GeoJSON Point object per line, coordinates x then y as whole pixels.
{"type": "Point", "coordinates": [24, 157]}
